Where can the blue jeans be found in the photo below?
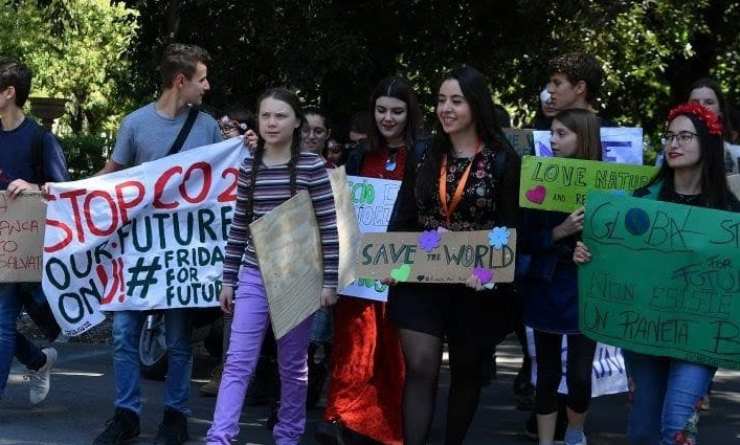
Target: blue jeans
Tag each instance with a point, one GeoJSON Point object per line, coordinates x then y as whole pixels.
{"type": "Point", "coordinates": [126, 330]}
{"type": "Point", "coordinates": [666, 397]}
{"type": "Point", "coordinates": [322, 327]}
{"type": "Point", "coordinates": [12, 342]}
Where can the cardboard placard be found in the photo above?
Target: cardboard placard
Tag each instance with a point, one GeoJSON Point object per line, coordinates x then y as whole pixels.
{"type": "Point", "coordinates": [21, 237]}
{"type": "Point", "coordinates": [664, 279]}
{"type": "Point", "coordinates": [288, 248]}
{"type": "Point", "coordinates": [347, 226]}
{"type": "Point", "coordinates": [521, 139]}
{"type": "Point", "coordinates": [561, 184]}
{"type": "Point", "coordinates": [438, 257]}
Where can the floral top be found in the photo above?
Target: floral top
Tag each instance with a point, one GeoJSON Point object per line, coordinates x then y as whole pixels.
{"type": "Point", "coordinates": [477, 209]}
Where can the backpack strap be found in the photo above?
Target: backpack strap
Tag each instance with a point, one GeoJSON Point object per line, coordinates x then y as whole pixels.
{"type": "Point", "coordinates": [184, 132]}
{"type": "Point", "coordinates": [37, 154]}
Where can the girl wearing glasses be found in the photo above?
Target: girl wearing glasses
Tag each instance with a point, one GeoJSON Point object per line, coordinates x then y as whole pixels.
{"type": "Point", "coordinates": [666, 391]}
{"type": "Point", "coordinates": [468, 180]}
{"type": "Point", "coordinates": [366, 384]}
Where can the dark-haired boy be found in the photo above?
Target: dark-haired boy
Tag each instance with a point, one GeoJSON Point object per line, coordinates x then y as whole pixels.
{"type": "Point", "coordinates": [147, 134]}
{"type": "Point", "coordinates": [575, 82]}
{"type": "Point", "coordinates": [29, 157]}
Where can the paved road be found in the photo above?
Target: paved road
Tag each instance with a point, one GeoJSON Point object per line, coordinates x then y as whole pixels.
{"type": "Point", "coordinates": [80, 402]}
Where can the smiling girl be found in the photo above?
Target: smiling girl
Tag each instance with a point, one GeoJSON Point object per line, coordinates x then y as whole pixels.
{"type": "Point", "coordinates": [667, 391]}
{"type": "Point", "coordinates": [467, 181]}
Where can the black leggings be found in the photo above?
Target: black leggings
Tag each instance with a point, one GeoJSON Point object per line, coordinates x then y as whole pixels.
{"type": "Point", "coordinates": [549, 371]}
{"type": "Point", "coordinates": [423, 357]}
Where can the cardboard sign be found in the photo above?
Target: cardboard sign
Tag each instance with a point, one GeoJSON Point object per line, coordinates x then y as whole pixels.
{"type": "Point", "coordinates": [561, 184]}
{"type": "Point", "coordinates": [522, 140]}
{"type": "Point", "coordinates": [21, 237]}
{"type": "Point", "coordinates": [288, 248]}
{"type": "Point", "coordinates": [622, 145]}
{"type": "Point", "coordinates": [439, 257]}
{"type": "Point", "coordinates": [147, 237]}
{"type": "Point", "coordinates": [373, 201]}
{"type": "Point", "coordinates": [664, 279]}
{"type": "Point", "coordinates": [347, 226]}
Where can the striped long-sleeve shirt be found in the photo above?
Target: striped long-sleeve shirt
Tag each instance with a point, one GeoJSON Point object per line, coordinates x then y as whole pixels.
{"type": "Point", "coordinates": [272, 188]}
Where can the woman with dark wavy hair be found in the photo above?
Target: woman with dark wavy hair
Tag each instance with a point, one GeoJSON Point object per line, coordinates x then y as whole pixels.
{"type": "Point", "coordinates": [468, 180]}
{"type": "Point", "coordinates": [364, 402]}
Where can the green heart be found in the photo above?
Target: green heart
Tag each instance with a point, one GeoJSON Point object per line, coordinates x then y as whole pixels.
{"type": "Point", "coordinates": [401, 273]}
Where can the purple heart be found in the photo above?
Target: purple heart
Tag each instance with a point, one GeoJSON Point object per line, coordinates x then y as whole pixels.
{"type": "Point", "coordinates": [484, 275]}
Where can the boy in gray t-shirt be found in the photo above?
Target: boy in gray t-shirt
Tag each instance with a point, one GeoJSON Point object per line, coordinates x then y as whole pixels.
{"type": "Point", "coordinates": [145, 135]}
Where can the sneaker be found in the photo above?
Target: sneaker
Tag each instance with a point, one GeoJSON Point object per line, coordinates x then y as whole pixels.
{"type": "Point", "coordinates": [121, 428]}
{"type": "Point", "coordinates": [40, 380]}
{"type": "Point", "coordinates": [174, 428]}
{"type": "Point", "coordinates": [583, 441]}
{"type": "Point", "coordinates": [210, 389]}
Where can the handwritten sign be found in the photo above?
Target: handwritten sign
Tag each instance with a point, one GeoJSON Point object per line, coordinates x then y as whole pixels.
{"type": "Point", "coordinates": [434, 257]}
{"type": "Point", "coordinates": [622, 145]}
{"type": "Point", "coordinates": [664, 279]}
{"type": "Point", "coordinates": [373, 201]}
{"type": "Point", "coordinates": [288, 248]}
{"type": "Point", "coordinates": [147, 237]}
{"type": "Point", "coordinates": [21, 237]}
{"type": "Point", "coordinates": [522, 140]}
{"type": "Point", "coordinates": [561, 184]}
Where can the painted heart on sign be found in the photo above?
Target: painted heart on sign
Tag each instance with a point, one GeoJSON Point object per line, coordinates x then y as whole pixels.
{"type": "Point", "coordinates": [536, 194]}
{"type": "Point", "coordinates": [420, 277]}
{"type": "Point", "coordinates": [401, 273]}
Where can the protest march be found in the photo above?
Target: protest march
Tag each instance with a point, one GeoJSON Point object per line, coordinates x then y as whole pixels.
{"type": "Point", "coordinates": [348, 266]}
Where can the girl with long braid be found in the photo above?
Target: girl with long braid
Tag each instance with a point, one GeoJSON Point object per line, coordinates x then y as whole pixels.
{"type": "Point", "coordinates": [276, 172]}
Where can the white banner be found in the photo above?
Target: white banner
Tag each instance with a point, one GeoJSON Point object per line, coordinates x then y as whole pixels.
{"type": "Point", "coordinates": [373, 200]}
{"type": "Point", "coordinates": [622, 145]}
{"type": "Point", "coordinates": [609, 375]}
{"type": "Point", "coordinates": [147, 237]}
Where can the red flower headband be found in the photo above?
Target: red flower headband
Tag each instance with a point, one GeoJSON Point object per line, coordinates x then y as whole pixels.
{"type": "Point", "coordinates": [700, 112]}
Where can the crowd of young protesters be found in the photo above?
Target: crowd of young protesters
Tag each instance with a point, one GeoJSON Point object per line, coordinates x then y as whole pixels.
{"type": "Point", "coordinates": [382, 360]}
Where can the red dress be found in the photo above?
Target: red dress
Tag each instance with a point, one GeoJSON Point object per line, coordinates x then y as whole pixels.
{"type": "Point", "coordinates": [367, 370]}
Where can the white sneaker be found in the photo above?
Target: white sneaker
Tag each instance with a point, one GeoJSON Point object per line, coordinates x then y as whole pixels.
{"type": "Point", "coordinates": [40, 380]}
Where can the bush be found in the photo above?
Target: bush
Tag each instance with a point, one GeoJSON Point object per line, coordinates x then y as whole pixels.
{"type": "Point", "coordinates": [85, 154]}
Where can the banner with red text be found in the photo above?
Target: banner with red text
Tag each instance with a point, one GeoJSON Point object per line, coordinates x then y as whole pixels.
{"type": "Point", "coordinates": [147, 237]}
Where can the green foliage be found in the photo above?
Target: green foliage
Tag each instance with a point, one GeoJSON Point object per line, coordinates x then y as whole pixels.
{"type": "Point", "coordinates": [85, 154]}
{"type": "Point", "coordinates": [77, 50]}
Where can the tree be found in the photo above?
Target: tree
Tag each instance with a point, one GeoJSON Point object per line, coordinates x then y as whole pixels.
{"type": "Point", "coordinates": [78, 50]}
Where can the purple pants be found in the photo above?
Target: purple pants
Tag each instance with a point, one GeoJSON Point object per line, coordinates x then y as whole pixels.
{"type": "Point", "coordinates": [251, 318]}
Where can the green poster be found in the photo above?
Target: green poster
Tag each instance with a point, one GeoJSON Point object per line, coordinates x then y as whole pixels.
{"type": "Point", "coordinates": [561, 184]}
{"type": "Point", "coordinates": [664, 279]}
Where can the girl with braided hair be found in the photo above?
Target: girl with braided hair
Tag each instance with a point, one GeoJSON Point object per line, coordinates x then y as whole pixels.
{"type": "Point", "coordinates": [276, 172]}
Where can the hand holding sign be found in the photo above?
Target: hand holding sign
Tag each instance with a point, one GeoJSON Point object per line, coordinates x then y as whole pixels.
{"type": "Point", "coordinates": [573, 224]}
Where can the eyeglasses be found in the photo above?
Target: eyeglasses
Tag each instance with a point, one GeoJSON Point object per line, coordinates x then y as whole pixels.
{"type": "Point", "coordinates": [683, 137]}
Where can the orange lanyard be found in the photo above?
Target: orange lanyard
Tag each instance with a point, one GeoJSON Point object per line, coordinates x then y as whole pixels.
{"type": "Point", "coordinates": [448, 208]}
